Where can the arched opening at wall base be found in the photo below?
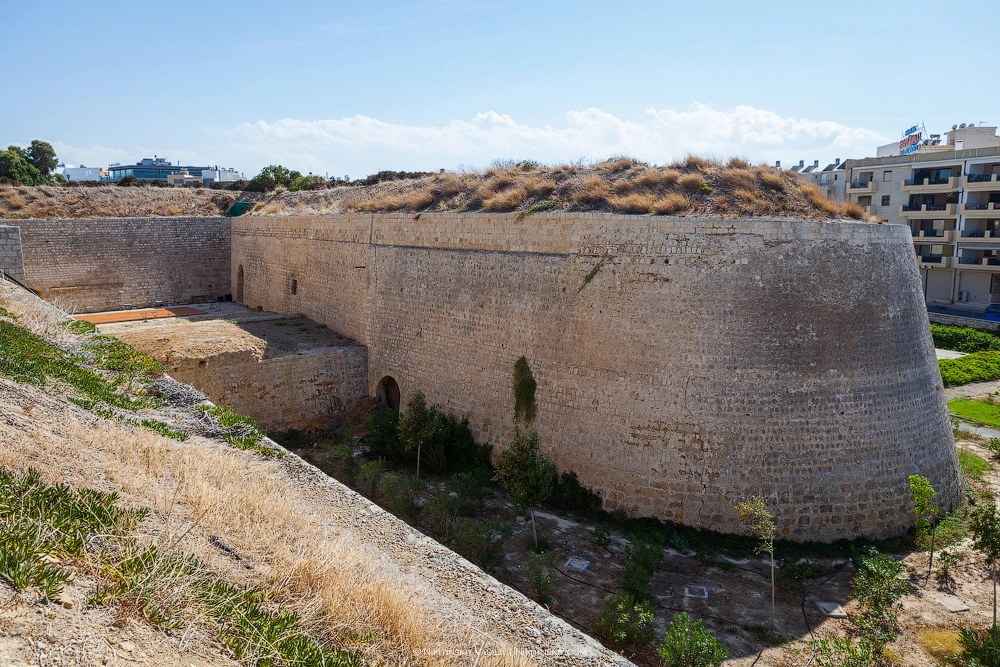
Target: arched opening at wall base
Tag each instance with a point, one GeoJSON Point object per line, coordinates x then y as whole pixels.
{"type": "Point", "coordinates": [388, 393]}
{"type": "Point", "coordinates": [239, 284]}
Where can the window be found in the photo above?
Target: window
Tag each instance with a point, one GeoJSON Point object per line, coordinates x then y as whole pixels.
{"type": "Point", "coordinates": [295, 286]}
{"type": "Point", "coordinates": [885, 200]}
{"type": "Point", "coordinates": [835, 177]}
{"type": "Point", "coordinates": [865, 200]}
{"type": "Point", "coordinates": [822, 179]}
{"type": "Point", "coordinates": [886, 176]}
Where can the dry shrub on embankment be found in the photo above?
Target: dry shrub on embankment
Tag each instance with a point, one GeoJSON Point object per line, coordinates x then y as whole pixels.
{"type": "Point", "coordinates": [691, 186]}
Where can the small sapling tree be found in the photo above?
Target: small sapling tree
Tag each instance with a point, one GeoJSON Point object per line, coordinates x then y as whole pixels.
{"type": "Point", "coordinates": [527, 475]}
{"type": "Point", "coordinates": [879, 589]}
{"type": "Point", "coordinates": [416, 425]}
{"type": "Point", "coordinates": [923, 493]}
{"type": "Point", "coordinates": [985, 528]}
{"type": "Point", "coordinates": [688, 644]}
{"type": "Point", "coordinates": [759, 520]}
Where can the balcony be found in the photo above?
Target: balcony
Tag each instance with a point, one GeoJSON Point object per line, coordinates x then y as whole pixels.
{"type": "Point", "coordinates": [935, 261]}
{"type": "Point", "coordinates": [928, 211]}
{"type": "Point", "coordinates": [980, 236]}
{"type": "Point", "coordinates": [981, 182]}
{"type": "Point", "coordinates": [930, 186]}
{"type": "Point", "coordinates": [990, 210]}
{"type": "Point", "coordinates": [862, 187]}
{"type": "Point", "coordinates": [934, 236]}
{"type": "Point", "coordinates": [976, 263]}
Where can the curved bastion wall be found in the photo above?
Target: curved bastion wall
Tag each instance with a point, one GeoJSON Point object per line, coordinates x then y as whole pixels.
{"type": "Point", "coordinates": [682, 363]}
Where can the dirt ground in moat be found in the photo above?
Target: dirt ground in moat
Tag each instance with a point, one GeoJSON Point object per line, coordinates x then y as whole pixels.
{"type": "Point", "coordinates": [738, 585]}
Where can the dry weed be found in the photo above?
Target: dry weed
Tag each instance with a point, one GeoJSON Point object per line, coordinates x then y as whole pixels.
{"type": "Point", "coordinates": [672, 203]}
{"type": "Point", "coordinates": [695, 163]}
{"type": "Point", "coordinates": [634, 203]}
{"type": "Point", "coordinates": [418, 200]}
{"type": "Point", "coordinates": [772, 179]}
{"type": "Point", "coordinates": [446, 185]}
{"type": "Point", "coordinates": [13, 199]}
{"type": "Point", "coordinates": [622, 186]}
{"type": "Point", "coordinates": [618, 164]}
{"type": "Point", "coordinates": [819, 200]}
{"type": "Point", "coordinates": [540, 187]}
{"type": "Point", "coordinates": [739, 178]}
{"type": "Point", "coordinates": [854, 211]}
{"type": "Point", "coordinates": [690, 182]}
{"type": "Point", "coordinates": [654, 178]}
{"type": "Point", "coordinates": [738, 163]}
{"type": "Point", "coordinates": [594, 191]}
{"type": "Point", "coordinates": [494, 184]}
{"type": "Point", "coordinates": [506, 200]}
{"type": "Point", "coordinates": [939, 644]}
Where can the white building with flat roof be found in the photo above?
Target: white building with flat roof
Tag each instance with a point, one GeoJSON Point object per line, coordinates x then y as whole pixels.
{"type": "Point", "coordinates": [948, 194]}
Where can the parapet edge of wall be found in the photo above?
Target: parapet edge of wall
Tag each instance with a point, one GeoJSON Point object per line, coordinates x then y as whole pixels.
{"type": "Point", "coordinates": [557, 233]}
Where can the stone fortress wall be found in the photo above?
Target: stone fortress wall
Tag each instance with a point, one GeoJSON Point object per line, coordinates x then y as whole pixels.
{"type": "Point", "coordinates": [91, 265]}
{"type": "Point", "coordinates": [682, 363]}
{"type": "Point", "coordinates": [11, 260]}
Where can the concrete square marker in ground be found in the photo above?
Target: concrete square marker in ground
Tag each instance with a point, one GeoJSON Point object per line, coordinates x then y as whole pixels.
{"type": "Point", "coordinates": [831, 609]}
{"type": "Point", "coordinates": [952, 604]}
{"type": "Point", "coordinates": [696, 592]}
{"type": "Point", "coordinates": [577, 564]}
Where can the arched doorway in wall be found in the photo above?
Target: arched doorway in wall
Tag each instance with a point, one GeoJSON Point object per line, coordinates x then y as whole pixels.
{"type": "Point", "coordinates": [388, 393]}
{"type": "Point", "coordinates": [239, 284]}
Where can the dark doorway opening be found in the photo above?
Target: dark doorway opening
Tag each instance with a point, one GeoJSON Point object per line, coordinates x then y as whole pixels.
{"type": "Point", "coordinates": [239, 284]}
{"type": "Point", "coordinates": [388, 393]}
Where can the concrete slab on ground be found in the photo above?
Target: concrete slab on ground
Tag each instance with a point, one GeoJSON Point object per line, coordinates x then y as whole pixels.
{"type": "Point", "coordinates": [948, 354]}
{"type": "Point", "coordinates": [831, 610]}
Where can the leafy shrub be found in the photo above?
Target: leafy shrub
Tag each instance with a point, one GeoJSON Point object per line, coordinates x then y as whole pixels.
{"type": "Point", "coordinates": [980, 648]}
{"type": "Point", "coordinates": [383, 439]}
{"type": "Point", "coordinates": [624, 622]}
{"type": "Point", "coordinates": [439, 516]}
{"type": "Point", "coordinates": [976, 367]}
{"type": "Point", "coordinates": [602, 536]}
{"type": "Point", "coordinates": [878, 588]}
{"type": "Point", "coordinates": [401, 493]}
{"type": "Point", "coordinates": [542, 579]}
{"type": "Point", "coordinates": [569, 494]}
{"type": "Point", "coordinates": [688, 644]}
{"type": "Point", "coordinates": [481, 542]}
{"type": "Point", "coordinates": [129, 182]}
{"type": "Point", "coordinates": [370, 474]}
{"type": "Point", "coordinates": [470, 489]}
{"type": "Point", "coordinates": [642, 554]}
{"type": "Point", "coordinates": [444, 443]}
{"type": "Point", "coordinates": [792, 570]}
{"type": "Point", "coordinates": [963, 339]}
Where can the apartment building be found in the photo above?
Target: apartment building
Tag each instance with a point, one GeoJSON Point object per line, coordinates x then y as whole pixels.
{"type": "Point", "coordinates": [830, 180]}
{"type": "Point", "coordinates": [948, 193]}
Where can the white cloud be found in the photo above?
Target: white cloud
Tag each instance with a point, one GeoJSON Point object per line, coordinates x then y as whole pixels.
{"type": "Point", "coordinates": [361, 145]}
{"type": "Point", "coordinates": [367, 144]}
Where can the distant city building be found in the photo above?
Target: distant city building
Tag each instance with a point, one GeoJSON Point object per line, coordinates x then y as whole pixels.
{"type": "Point", "coordinates": [947, 191]}
{"type": "Point", "coordinates": [184, 178]}
{"type": "Point", "coordinates": [82, 173]}
{"type": "Point", "coordinates": [157, 168]}
{"type": "Point", "coordinates": [829, 180]}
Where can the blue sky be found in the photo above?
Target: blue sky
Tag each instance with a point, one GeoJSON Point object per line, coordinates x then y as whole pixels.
{"type": "Point", "coordinates": [354, 87]}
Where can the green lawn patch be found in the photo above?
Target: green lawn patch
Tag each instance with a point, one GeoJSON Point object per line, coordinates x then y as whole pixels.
{"type": "Point", "coordinates": [973, 466]}
{"type": "Point", "coordinates": [975, 367]}
{"type": "Point", "coordinates": [982, 412]}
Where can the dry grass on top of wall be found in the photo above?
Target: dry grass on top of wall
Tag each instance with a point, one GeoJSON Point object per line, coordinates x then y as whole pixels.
{"type": "Point", "coordinates": [692, 186]}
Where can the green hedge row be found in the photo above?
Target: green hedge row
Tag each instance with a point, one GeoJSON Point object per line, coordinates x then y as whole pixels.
{"type": "Point", "coordinates": [963, 339]}
{"type": "Point", "coordinates": [975, 367]}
